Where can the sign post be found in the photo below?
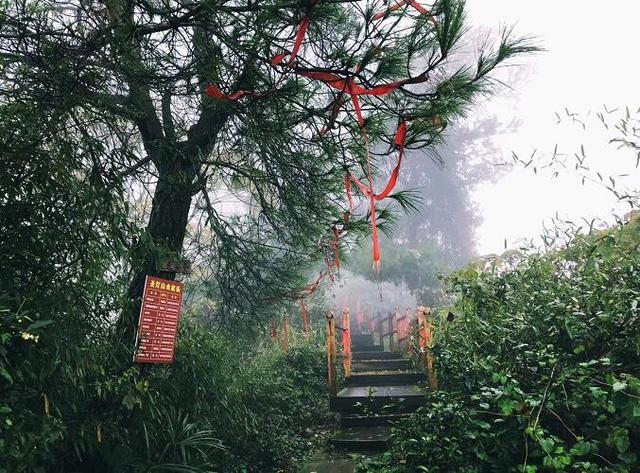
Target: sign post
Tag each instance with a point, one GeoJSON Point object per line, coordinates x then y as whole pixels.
{"type": "Point", "coordinates": [158, 321]}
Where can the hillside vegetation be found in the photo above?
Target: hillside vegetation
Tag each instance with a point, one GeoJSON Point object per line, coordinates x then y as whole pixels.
{"type": "Point", "coordinates": [539, 362]}
{"type": "Point", "coordinates": [221, 407]}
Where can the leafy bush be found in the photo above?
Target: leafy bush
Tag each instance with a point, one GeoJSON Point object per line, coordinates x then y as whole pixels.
{"type": "Point", "coordinates": [539, 367]}
{"type": "Point", "coordinates": [70, 401]}
{"type": "Point", "coordinates": [221, 407]}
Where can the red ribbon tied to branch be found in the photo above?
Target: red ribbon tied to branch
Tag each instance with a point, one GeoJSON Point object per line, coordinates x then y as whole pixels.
{"type": "Point", "coordinates": [303, 26]}
{"type": "Point", "coordinates": [399, 141]}
{"type": "Point", "coordinates": [348, 85]}
{"type": "Point", "coordinates": [214, 92]}
{"type": "Point", "coordinates": [305, 316]}
{"type": "Point", "coordinates": [401, 3]}
{"type": "Point", "coordinates": [345, 85]}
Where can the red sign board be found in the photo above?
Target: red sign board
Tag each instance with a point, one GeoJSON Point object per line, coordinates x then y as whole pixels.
{"type": "Point", "coordinates": [158, 321]}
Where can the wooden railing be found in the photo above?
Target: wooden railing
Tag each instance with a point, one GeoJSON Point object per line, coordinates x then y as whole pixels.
{"type": "Point", "coordinates": [403, 323]}
{"type": "Point", "coordinates": [386, 330]}
{"type": "Point", "coordinates": [425, 342]}
{"type": "Point", "coordinates": [394, 327]}
{"type": "Point", "coordinates": [346, 342]}
{"type": "Point", "coordinates": [332, 352]}
{"type": "Point", "coordinates": [332, 348]}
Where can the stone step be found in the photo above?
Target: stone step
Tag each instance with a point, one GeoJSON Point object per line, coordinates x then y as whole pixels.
{"type": "Point", "coordinates": [378, 399]}
{"type": "Point", "coordinates": [370, 421]}
{"type": "Point", "coordinates": [362, 339]}
{"type": "Point", "coordinates": [363, 439]}
{"type": "Point", "coordinates": [381, 365]}
{"type": "Point", "coordinates": [329, 465]}
{"type": "Point", "coordinates": [385, 378]}
{"type": "Point", "coordinates": [368, 348]}
{"type": "Point", "coordinates": [375, 355]}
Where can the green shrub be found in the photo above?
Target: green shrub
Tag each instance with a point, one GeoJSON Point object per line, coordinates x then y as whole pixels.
{"type": "Point", "coordinates": [222, 406]}
{"type": "Point", "coordinates": [539, 367]}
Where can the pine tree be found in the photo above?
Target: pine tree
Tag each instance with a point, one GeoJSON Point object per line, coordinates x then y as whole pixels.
{"type": "Point", "coordinates": [132, 75]}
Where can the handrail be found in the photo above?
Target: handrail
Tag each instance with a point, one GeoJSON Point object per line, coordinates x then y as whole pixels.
{"type": "Point", "coordinates": [285, 343]}
{"type": "Point", "coordinates": [403, 324]}
{"type": "Point", "coordinates": [346, 342]}
{"type": "Point", "coordinates": [331, 354]}
{"type": "Point", "coordinates": [390, 331]}
{"type": "Point", "coordinates": [425, 340]}
{"type": "Point", "coordinates": [396, 333]}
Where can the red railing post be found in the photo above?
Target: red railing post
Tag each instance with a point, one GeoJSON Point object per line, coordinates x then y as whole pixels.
{"type": "Point", "coordinates": [285, 342]}
{"type": "Point", "coordinates": [304, 311]}
{"type": "Point", "coordinates": [346, 342]}
{"type": "Point", "coordinates": [393, 329]}
{"type": "Point", "coordinates": [425, 335]}
{"type": "Point", "coordinates": [331, 354]}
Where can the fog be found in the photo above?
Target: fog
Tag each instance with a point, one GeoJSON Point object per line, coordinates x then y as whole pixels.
{"type": "Point", "coordinates": [481, 200]}
{"type": "Point", "coordinates": [587, 64]}
{"type": "Point", "coordinates": [372, 298]}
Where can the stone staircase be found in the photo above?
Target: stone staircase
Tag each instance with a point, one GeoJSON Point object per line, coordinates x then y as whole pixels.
{"type": "Point", "coordinates": [382, 388]}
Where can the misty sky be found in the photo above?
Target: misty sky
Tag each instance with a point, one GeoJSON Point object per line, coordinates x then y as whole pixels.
{"type": "Point", "coordinates": [590, 60]}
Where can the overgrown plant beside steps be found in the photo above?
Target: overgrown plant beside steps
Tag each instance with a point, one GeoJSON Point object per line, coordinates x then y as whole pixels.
{"type": "Point", "coordinates": [223, 406]}
{"type": "Point", "coordinates": [538, 366]}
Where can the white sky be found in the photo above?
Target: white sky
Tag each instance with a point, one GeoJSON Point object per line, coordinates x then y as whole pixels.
{"type": "Point", "coordinates": [591, 59]}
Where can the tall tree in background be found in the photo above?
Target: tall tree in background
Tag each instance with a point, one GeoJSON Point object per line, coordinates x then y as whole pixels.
{"type": "Point", "coordinates": [129, 77]}
{"type": "Point", "coordinates": [447, 217]}
{"type": "Point", "coordinates": [438, 235]}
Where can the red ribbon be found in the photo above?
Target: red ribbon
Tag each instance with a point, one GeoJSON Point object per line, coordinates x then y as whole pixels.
{"type": "Point", "coordinates": [214, 92]}
{"type": "Point", "coordinates": [305, 316]}
{"type": "Point", "coordinates": [303, 26]}
{"type": "Point", "coordinates": [347, 186]}
{"type": "Point", "coordinates": [345, 85]}
{"type": "Point", "coordinates": [349, 86]}
{"type": "Point", "coordinates": [336, 246]}
{"type": "Point", "coordinates": [399, 141]}
{"type": "Point", "coordinates": [346, 340]}
{"type": "Point", "coordinates": [397, 5]}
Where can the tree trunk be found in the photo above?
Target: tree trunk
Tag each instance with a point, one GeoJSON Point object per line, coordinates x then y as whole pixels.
{"type": "Point", "coordinates": [163, 239]}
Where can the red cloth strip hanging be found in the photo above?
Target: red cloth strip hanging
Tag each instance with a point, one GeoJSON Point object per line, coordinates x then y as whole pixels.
{"type": "Point", "coordinates": [303, 26]}
{"type": "Point", "coordinates": [346, 340]}
{"type": "Point", "coordinates": [347, 186]}
{"type": "Point", "coordinates": [397, 5]}
{"type": "Point", "coordinates": [214, 92]}
{"type": "Point", "coordinates": [305, 316]}
{"type": "Point", "coordinates": [399, 141]}
{"type": "Point", "coordinates": [349, 86]}
{"type": "Point", "coordinates": [336, 246]}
